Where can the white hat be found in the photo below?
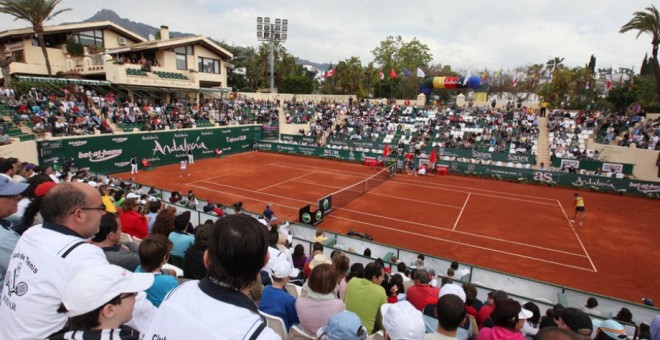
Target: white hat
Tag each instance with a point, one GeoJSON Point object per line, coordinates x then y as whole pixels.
{"type": "Point", "coordinates": [93, 183]}
{"type": "Point", "coordinates": [319, 259]}
{"type": "Point", "coordinates": [525, 314]}
{"type": "Point", "coordinates": [93, 286]}
{"type": "Point", "coordinates": [132, 195]}
{"type": "Point", "coordinates": [282, 269]}
{"type": "Point", "coordinates": [451, 288]}
{"type": "Point", "coordinates": [402, 321]}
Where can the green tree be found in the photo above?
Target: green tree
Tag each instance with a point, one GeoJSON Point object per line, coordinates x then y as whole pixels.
{"type": "Point", "coordinates": [621, 96]}
{"type": "Point", "coordinates": [592, 64]}
{"type": "Point", "coordinates": [297, 84]}
{"type": "Point", "coordinates": [396, 53]}
{"type": "Point", "coordinates": [348, 75]}
{"type": "Point", "coordinates": [648, 22]}
{"type": "Point", "coordinates": [36, 12]}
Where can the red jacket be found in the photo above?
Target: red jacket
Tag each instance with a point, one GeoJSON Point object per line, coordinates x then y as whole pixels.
{"type": "Point", "coordinates": [134, 224]}
{"type": "Point", "coordinates": [421, 295]}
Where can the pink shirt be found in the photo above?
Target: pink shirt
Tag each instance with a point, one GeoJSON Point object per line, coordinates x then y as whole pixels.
{"type": "Point", "coordinates": [314, 314]}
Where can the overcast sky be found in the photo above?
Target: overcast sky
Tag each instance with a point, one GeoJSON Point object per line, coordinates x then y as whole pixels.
{"type": "Point", "coordinates": [464, 34]}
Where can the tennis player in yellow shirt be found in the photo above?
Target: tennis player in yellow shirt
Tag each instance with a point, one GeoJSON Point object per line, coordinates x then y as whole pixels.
{"type": "Point", "coordinates": [579, 209]}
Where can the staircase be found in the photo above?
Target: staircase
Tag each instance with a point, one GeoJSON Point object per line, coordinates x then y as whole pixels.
{"type": "Point", "coordinates": [543, 143]}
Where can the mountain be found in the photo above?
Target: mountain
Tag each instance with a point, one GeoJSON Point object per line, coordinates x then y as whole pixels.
{"type": "Point", "coordinates": [323, 66]}
{"type": "Point", "coordinates": [142, 29]}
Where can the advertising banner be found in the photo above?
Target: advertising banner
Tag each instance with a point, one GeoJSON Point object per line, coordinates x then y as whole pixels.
{"type": "Point", "coordinates": [112, 153]}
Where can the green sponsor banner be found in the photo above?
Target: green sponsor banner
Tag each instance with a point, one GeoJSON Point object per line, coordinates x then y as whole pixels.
{"type": "Point", "coordinates": [294, 149]}
{"type": "Point", "coordinates": [487, 156]}
{"type": "Point", "coordinates": [112, 153]}
{"type": "Point", "coordinates": [298, 139]}
{"type": "Point", "coordinates": [357, 143]}
{"type": "Point", "coordinates": [592, 165]}
{"type": "Point", "coordinates": [597, 183]}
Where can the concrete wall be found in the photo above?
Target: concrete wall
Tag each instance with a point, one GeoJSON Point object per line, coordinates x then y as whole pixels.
{"type": "Point", "coordinates": [645, 160]}
{"type": "Point", "coordinates": [25, 151]}
{"type": "Point", "coordinates": [299, 97]}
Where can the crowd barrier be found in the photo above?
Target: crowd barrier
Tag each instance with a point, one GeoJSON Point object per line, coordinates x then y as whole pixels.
{"type": "Point", "coordinates": [544, 294]}
{"type": "Point", "coordinates": [553, 178]}
{"type": "Point", "coordinates": [112, 153]}
{"type": "Point", "coordinates": [593, 165]}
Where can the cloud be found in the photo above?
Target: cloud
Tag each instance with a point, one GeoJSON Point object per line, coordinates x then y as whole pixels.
{"type": "Point", "coordinates": [476, 33]}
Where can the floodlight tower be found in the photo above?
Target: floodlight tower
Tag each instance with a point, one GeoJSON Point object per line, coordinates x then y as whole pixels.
{"type": "Point", "coordinates": [276, 31]}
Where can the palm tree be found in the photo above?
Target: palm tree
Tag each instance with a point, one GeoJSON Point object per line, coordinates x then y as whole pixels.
{"type": "Point", "coordinates": [5, 61]}
{"type": "Point", "coordinates": [36, 12]}
{"type": "Point", "coordinates": [648, 22]}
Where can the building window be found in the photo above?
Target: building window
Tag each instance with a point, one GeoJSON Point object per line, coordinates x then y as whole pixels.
{"type": "Point", "coordinates": [208, 65]}
{"type": "Point", "coordinates": [89, 38]}
{"type": "Point", "coordinates": [18, 56]}
{"type": "Point", "coordinates": [51, 40]}
{"type": "Point", "coordinates": [182, 54]}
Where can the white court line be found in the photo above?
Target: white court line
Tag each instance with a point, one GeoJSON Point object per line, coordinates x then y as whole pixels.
{"type": "Point", "coordinates": [323, 170]}
{"type": "Point", "coordinates": [256, 199]}
{"type": "Point", "coordinates": [228, 173]}
{"type": "Point", "coordinates": [288, 180]}
{"type": "Point", "coordinates": [477, 189]}
{"type": "Point", "coordinates": [464, 244]}
{"type": "Point", "coordinates": [461, 232]}
{"type": "Point", "coordinates": [476, 193]}
{"type": "Point", "coordinates": [248, 190]}
{"type": "Point", "coordinates": [461, 214]}
{"type": "Point", "coordinates": [578, 237]}
{"type": "Point", "coordinates": [388, 196]}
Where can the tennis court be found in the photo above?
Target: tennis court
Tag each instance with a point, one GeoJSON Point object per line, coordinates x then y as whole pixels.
{"type": "Point", "coordinates": [519, 229]}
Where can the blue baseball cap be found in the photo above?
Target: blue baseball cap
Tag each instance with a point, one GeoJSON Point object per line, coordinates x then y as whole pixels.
{"type": "Point", "coordinates": [343, 326]}
{"type": "Point", "coordinates": [610, 327]}
{"type": "Point", "coordinates": [11, 188]}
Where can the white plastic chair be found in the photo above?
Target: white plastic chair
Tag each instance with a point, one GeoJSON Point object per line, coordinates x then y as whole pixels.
{"type": "Point", "coordinates": [296, 333]}
{"type": "Point", "coordinates": [294, 290]}
{"type": "Point", "coordinates": [276, 324]}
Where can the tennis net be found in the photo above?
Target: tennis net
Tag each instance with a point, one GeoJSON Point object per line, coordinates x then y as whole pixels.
{"type": "Point", "coordinates": [344, 196]}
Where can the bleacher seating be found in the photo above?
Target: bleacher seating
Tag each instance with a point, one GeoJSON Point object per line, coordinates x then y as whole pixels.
{"type": "Point", "coordinates": [136, 72]}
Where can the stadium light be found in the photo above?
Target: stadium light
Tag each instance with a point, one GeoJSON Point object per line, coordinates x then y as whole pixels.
{"type": "Point", "coordinates": [275, 31]}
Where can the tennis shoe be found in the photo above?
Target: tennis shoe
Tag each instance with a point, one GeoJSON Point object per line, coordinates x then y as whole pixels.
{"type": "Point", "coordinates": [580, 223]}
{"type": "Point", "coordinates": [571, 221]}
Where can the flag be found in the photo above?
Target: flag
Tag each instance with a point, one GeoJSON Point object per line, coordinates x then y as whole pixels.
{"type": "Point", "coordinates": [608, 77]}
{"type": "Point", "coordinates": [405, 72]}
{"type": "Point", "coordinates": [515, 81]}
{"type": "Point", "coordinates": [552, 70]}
{"type": "Point", "coordinates": [330, 73]}
{"type": "Point", "coordinates": [381, 75]}
{"type": "Point", "coordinates": [386, 150]}
{"type": "Point", "coordinates": [420, 73]}
{"type": "Point", "coordinates": [323, 73]}
{"type": "Point", "coordinates": [467, 75]}
{"type": "Point", "coordinates": [499, 73]}
{"type": "Point", "coordinates": [392, 74]}
{"type": "Point", "coordinates": [433, 157]}
{"type": "Point", "coordinates": [484, 74]}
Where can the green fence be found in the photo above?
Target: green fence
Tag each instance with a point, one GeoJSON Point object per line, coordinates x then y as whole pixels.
{"type": "Point", "coordinates": [596, 183]}
{"type": "Point", "coordinates": [488, 156]}
{"type": "Point", "coordinates": [298, 139]}
{"type": "Point", "coordinates": [112, 153]}
{"type": "Point", "coordinates": [592, 165]}
{"type": "Point", "coordinates": [312, 151]}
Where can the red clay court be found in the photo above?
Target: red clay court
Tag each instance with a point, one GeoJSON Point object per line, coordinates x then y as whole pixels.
{"type": "Point", "coordinates": [514, 228]}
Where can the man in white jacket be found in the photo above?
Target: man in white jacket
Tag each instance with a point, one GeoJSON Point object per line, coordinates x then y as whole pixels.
{"type": "Point", "coordinates": [46, 256]}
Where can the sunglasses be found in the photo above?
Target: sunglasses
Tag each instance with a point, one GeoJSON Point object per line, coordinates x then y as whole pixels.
{"type": "Point", "coordinates": [99, 208]}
